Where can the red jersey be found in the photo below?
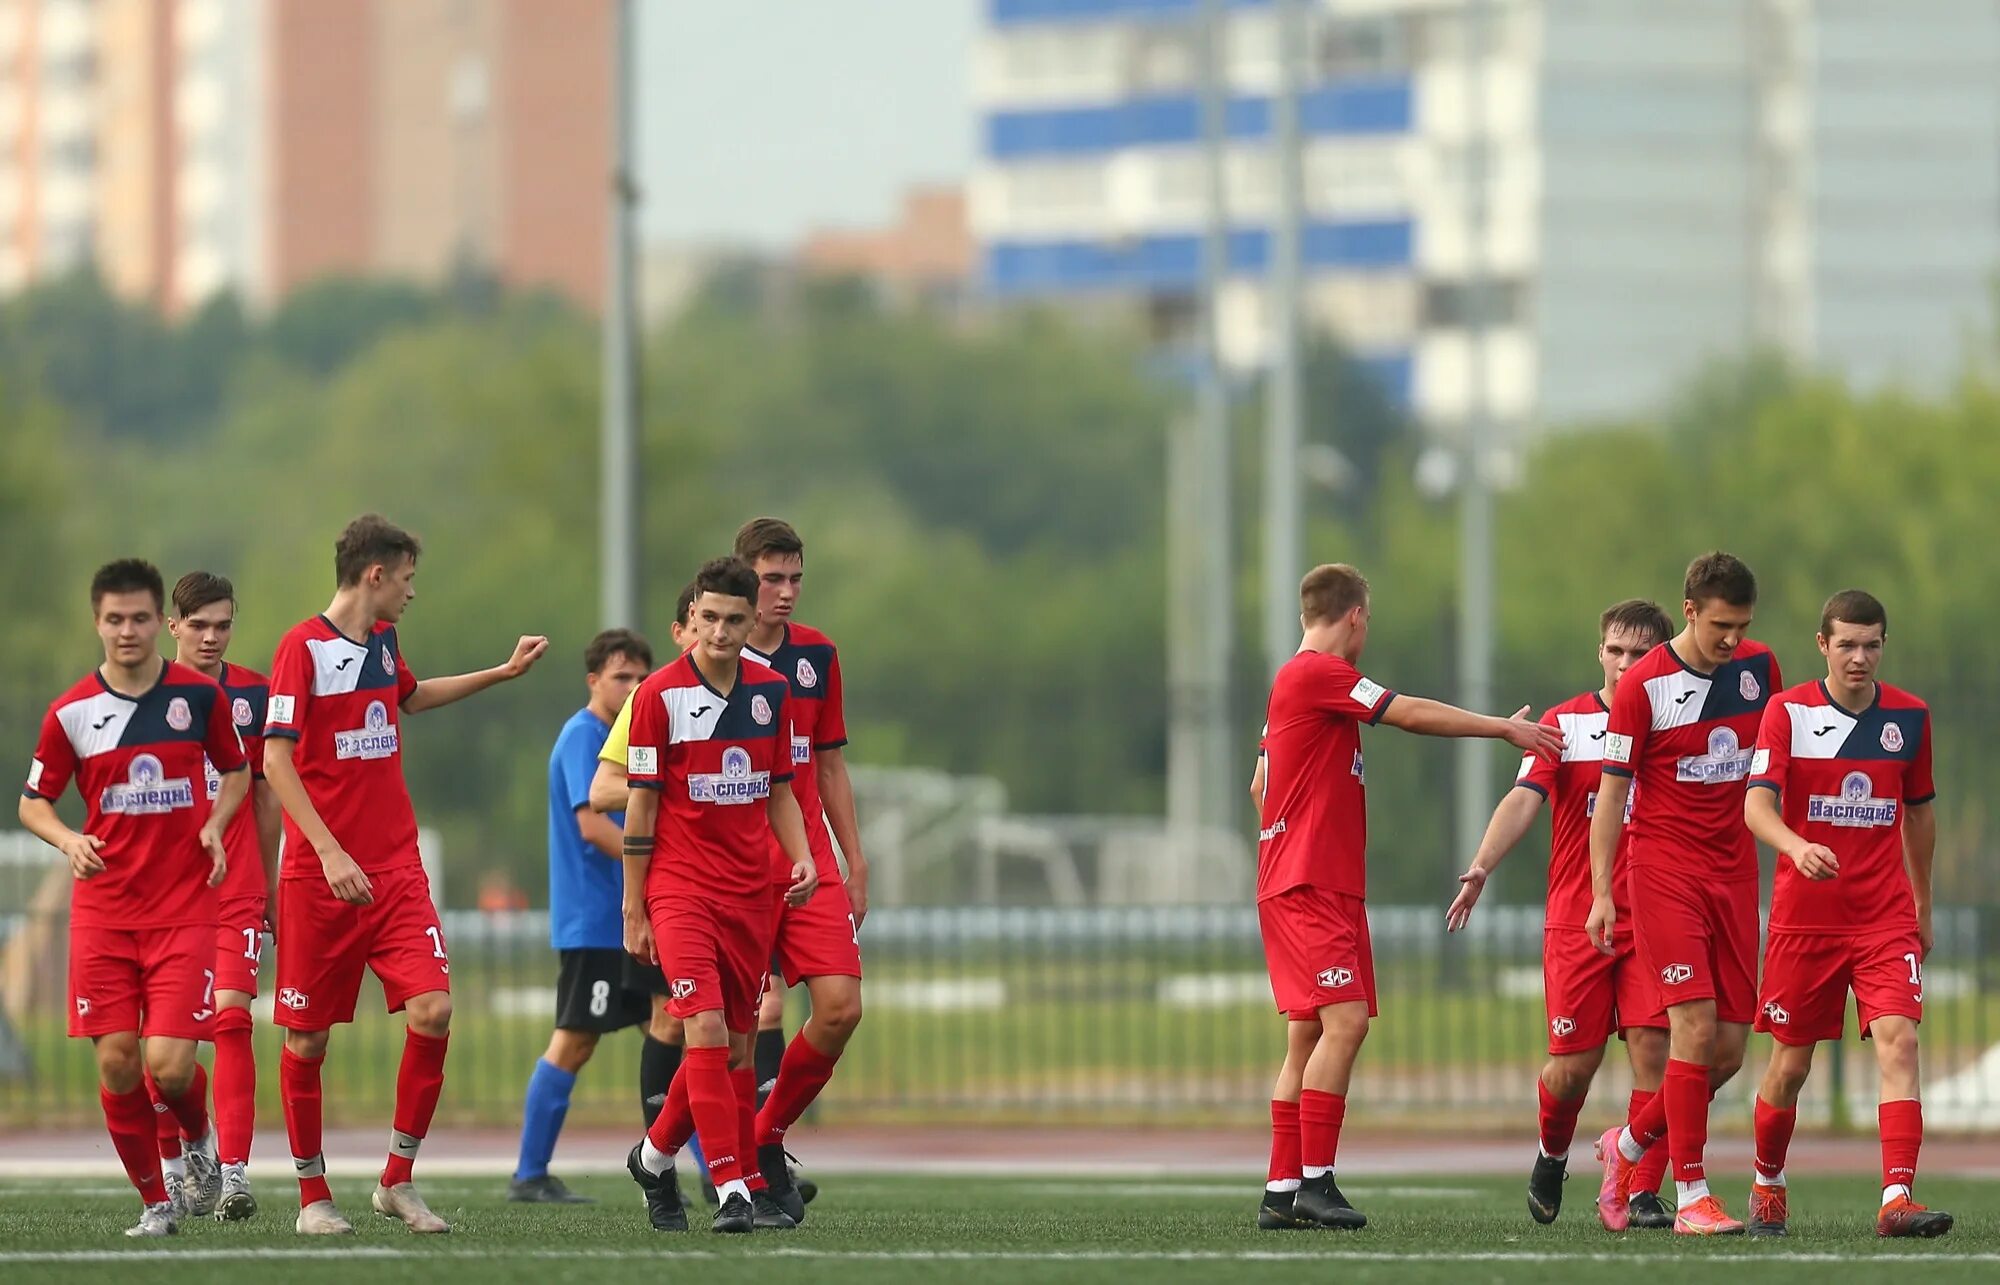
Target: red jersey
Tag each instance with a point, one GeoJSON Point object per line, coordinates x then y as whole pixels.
{"type": "Point", "coordinates": [1685, 739]}
{"type": "Point", "coordinates": [805, 658]}
{"type": "Point", "coordinates": [339, 699]}
{"type": "Point", "coordinates": [248, 692]}
{"type": "Point", "coordinates": [1570, 785]}
{"type": "Point", "coordinates": [1844, 780]}
{"type": "Point", "coordinates": [714, 759]}
{"type": "Point", "coordinates": [1313, 829]}
{"type": "Point", "coordinates": [136, 762]}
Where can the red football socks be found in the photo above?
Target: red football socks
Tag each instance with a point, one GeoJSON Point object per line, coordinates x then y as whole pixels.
{"type": "Point", "coordinates": [165, 1127]}
{"type": "Point", "coordinates": [1686, 1094]}
{"type": "Point", "coordinates": [419, 1081]}
{"type": "Point", "coordinates": [801, 1075]}
{"type": "Point", "coordinates": [129, 1117]}
{"type": "Point", "coordinates": [298, 1079]}
{"type": "Point", "coordinates": [711, 1097]}
{"type": "Point", "coordinates": [1774, 1138]}
{"type": "Point", "coordinates": [1320, 1116]}
{"type": "Point", "coordinates": [1558, 1120]}
{"type": "Point", "coordinates": [1902, 1124]}
{"type": "Point", "coordinates": [1652, 1168]}
{"type": "Point", "coordinates": [1650, 1125]}
{"type": "Point", "coordinates": [235, 1086]}
{"type": "Point", "coordinates": [674, 1125]}
{"type": "Point", "coordinates": [743, 1081]}
{"type": "Point", "coordinates": [1284, 1141]}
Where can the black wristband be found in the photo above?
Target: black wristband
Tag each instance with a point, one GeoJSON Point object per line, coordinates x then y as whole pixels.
{"type": "Point", "coordinates": [639, 847]}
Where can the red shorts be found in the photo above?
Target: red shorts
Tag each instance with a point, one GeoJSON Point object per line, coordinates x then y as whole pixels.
{"type": "Point", "coordinates": [1590, 996]}
{"type": "Point", "coordinates": [818, 939]}
{"type": "Point", "coordinates": [1807, 977]}
{"type": "Point", "coordinates": [156, 981]}
{"type": "Point", "coordinates": [239, 945]}
{"type": "Point", "coordinates": [1317, 950]}
{"type": "Point", "coordinates": [1699, 939]}
{"type": "Point", "coordinates": [324, 943]}
{"type": "Point", "coordinates": [715, 953]}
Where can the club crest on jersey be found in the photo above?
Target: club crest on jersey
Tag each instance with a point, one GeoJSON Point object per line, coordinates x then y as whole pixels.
{"type": "Point", "coordinates": [147, 790]}
{"type": "Point", "coordinates": [808, 676]}
{"type": "Point", "coordinates": [1892, 738]}
{"type": "Point", "coordinates": [734, 784]}
{"type": "Point", "coordinates": [1854, 808]}
{"type": "Point", "coordinates": [1675, 974]}
{"type": "Point", "coordinates": [375, 739]}
{"type": "Point", "coordinates": [179, 716]}
{"type": "Point", "coordinates": [388, 662]}
{"type": "Point", "coordinates": [239, 711]}
{"type": "Point", "coordinates": [760, 710]}
{"type": "Point", "coordinates": [1726, 760]}
{"type": "Point", "coordinates": [1746, 682]}
{"type": "Point", "coordinates": [1335, 978]}
{"type": "Point", "coordinates": [1562, 1026]}
{"type": "Point", "coordinates": [1776, 1015]}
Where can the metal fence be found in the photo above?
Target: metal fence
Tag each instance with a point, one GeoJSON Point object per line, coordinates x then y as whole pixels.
{"type": "Point", "coordinates": [1146, 1014]}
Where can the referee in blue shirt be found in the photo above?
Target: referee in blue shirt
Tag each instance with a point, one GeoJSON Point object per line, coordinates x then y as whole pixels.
{"type": "Point", "coordinates": [586, 920]}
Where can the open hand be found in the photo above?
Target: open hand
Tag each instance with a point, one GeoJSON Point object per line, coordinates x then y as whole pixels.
{"type": "Point", "coordinates": [1470, 885]}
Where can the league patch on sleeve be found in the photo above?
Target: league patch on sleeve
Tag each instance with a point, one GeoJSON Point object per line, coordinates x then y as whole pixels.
{"type": "Point", "coordinates": [1366, 694]}
{"type": "Point", "coordinates": [281, 709]}
{"type": "Point", "coordinates": [643, 760]}
{"type": "Point", "coordinates": [1617, 748]}
{"type": "Point", "coordinates": [1760, 762]}
{"type": "Point", "coordinates": [34, 774]}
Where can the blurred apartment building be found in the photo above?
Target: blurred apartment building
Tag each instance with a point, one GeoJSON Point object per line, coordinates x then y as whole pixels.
{"type": "Point", "coordinates": [187, 147]}
{"type": "Point", "coordinates": [1667, 182]}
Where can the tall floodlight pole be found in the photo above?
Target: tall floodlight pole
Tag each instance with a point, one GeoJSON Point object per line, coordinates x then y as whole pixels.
{"type": "Point", "coordinates": [1284, 539]}
{"type": "Point", "coordinates": [618, 497]}
{"type": "Point", "coordinates": [1475, 558]}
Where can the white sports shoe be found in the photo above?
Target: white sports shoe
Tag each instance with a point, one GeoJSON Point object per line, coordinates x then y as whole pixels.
{"type": "Point", "coordinates": [320, 1218]}
{"type": "Point", "coordinates": [203, 1185]}
{"type": "Point", "coordinates": [156, 1220]}
{"type": "Point", "coordinates": [402, 1203]}
{"type": "Point", "coordinates": [237, 1203]}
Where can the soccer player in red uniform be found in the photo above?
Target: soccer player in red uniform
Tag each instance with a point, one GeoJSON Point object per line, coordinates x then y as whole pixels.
{"type": "Point", "coordinates": [1312, 876]}
{"type": "Point", "coordinates": [818, 942]}
{"type": "Point", "coordinates": [1682, 728]}
{"type": "Point", "coordinates": [352, 893]}
{"type": "Point", "coordinates": [142, 918]}
{"type": "Point", "coordinates": [202, 622]}
{"type": "Point", "coordinates": [1590, 996]}
{"type": "Point", "coordinates": [710, 773]}
{"type": "Point", "coordinates": [1848, 760]}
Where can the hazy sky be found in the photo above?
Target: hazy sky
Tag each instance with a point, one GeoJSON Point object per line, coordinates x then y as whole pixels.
{"type": "Point", "coordinates": [761, 119]}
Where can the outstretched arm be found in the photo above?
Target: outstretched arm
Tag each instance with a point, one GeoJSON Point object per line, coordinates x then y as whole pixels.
{"type": "Point", "coordinates": [433, 692]}
{"type": "Point", "coordinates": [1435, 718]}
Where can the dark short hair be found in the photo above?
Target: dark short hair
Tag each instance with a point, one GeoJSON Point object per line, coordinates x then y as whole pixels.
{"type": "Point", "coordinates": [1720, 575]}
{"type": "Point", "coordinates": [368, 541]}
{"type": "Point", "coordinates": [1331, 591]}
{"type": "Point", "coordinates": [684, 604]}
{"type": "Point", "coordinates": [1635, 615]}
{"type": "Point", "coordinates": [131, 575]}
{"type": "Point", "coordinates": [198, 589]}
{"type": "Point", "coordinates": [1853, 607]}
{"type": "Point", "coordinates": [616, 642]}
{"type": "Point", "coordinates": [767, 537]}
{"type": "Point", "coordinates": [730, 577]}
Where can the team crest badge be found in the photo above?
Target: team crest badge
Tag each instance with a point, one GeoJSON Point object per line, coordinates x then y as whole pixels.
{"type": "Point", "coordinates": [1747, 684]}
{"type": "Point", "coordinates": [179, 717]}
{"type": "Point", "coordinates": [760, 709]}
{"type": "Point", "coordinates": [239, 710]}
{"type": "Point", "coordinates": [388, 661]}
{"type": "Point", "coordinates": [1892, 737]}
{"type": "Point", "coordinates": [808, 676]}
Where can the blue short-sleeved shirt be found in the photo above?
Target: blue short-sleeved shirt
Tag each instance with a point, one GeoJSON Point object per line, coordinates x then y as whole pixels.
{"type": "Point", "coordinates": [586, 887]}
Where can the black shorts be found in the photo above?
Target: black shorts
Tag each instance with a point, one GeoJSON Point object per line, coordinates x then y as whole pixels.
{"type": "Point", "coordinates": [647, 979]}
{"type": "Point", "coordinates": [592, 993]}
